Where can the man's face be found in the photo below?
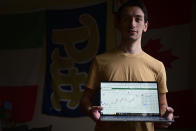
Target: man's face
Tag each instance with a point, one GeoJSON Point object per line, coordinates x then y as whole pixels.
{"type": "Point", "coordinates": [131, 24]}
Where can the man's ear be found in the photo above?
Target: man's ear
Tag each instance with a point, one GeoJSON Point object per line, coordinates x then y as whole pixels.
{"type": "Point", "coordinates": [145, 26]}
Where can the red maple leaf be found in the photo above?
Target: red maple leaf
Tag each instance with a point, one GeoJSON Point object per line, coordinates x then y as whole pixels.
{"type": "Point", "coordinates": [153, 48]}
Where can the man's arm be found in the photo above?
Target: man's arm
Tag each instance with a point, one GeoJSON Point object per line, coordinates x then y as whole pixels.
{"type": "Point", "coordinates": [163, 103]}
{"type": "Point", "coordinates": [86, 104]}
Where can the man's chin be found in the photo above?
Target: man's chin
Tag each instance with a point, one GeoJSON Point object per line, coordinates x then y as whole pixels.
{"type": "Point", "coordinates": [132, 39]}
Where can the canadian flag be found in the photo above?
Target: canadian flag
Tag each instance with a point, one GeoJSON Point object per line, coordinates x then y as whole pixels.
{"type": "Point", "coordinates": [169, 39]}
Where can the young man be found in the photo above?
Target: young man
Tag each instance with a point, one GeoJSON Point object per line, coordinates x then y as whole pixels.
{"type": "Point", "coordinates": [126, 63]}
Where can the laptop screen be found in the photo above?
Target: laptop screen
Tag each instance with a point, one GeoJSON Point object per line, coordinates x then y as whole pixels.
{"type": "Point", "coordinates": [129, 98]}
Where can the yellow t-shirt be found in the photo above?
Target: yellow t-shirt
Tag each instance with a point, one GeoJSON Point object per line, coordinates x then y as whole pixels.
{"type": "Point", "coordinates": [119, 66]}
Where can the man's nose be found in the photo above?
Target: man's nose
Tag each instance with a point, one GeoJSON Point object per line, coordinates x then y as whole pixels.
{"type": "Point", "coordinates": [132, 22]}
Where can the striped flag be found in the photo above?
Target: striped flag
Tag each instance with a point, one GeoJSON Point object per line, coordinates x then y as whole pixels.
{"type": "Point", "coordinates": [21, 58]}
{"type": "Point", "coordinates": [169, 30]}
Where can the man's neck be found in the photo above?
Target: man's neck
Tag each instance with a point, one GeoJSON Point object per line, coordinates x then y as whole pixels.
{"type": "Point", "coordinates": [132, 47]}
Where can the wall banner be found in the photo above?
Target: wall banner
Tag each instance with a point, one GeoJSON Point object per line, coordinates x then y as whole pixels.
{"type": "Point", "coordinates": [74, 37]}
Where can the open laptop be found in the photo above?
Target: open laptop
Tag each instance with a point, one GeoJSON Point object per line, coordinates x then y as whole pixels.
{"type": "Point", "coordinates": [130, 101]}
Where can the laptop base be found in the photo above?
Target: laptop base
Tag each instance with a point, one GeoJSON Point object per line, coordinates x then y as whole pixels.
{"type": "Point", "coordinates": [134, 119]}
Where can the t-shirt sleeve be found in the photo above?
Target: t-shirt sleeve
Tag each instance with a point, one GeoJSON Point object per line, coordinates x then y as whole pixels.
{"type": "Point", "coordinates": [161, 79]}
{"type": "Point", "coordinates": [93, 79]}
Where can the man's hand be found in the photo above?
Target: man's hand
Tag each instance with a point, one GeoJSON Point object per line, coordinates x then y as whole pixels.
{"type": "Point", "coordinates": [93, 112]}
{"type": "Point", "coordinates": [86, 102]}
{"type": "Point", "coordinates": [169, 115]}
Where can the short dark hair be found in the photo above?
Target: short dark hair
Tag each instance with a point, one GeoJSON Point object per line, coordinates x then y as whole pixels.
{"type": "Point", "coordinates": [137, 3]}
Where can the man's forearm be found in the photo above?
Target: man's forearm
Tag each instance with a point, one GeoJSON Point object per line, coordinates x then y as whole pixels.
{"type": "Point", "coordinates": [163, 103]}
{"type": "Point", "coordinates": [86, 100]}
{"type": "Point", "coordinates": [85, 104]}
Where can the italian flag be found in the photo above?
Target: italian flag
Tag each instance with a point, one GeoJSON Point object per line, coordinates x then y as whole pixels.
{"type": "Point", "coordinates": [21, 57]}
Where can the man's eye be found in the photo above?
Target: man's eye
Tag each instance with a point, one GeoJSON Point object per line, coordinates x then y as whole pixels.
{"type": "Point", "coordinates": [138, 19]}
